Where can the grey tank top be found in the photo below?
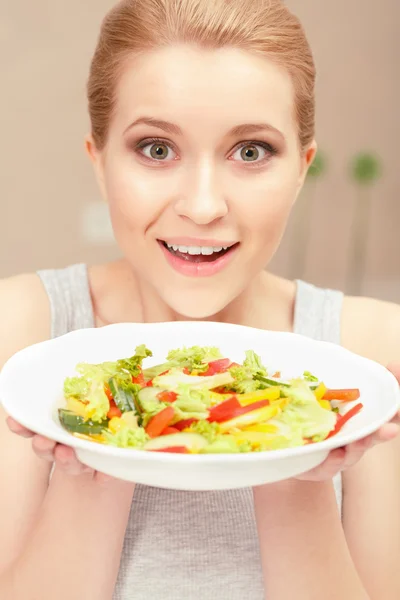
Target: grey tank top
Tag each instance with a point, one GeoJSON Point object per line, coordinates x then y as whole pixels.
{"type": "Point", "coordinates": [190, 545]}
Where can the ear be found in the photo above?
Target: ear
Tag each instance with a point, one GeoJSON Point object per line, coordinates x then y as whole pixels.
{"type": "Point", "coordinates": [307, 159]}
{"type": "Point", "coordinates": [96, 159]}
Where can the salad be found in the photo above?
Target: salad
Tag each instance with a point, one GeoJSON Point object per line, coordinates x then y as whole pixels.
{"type": "Point", "coordinates": [199, 401]}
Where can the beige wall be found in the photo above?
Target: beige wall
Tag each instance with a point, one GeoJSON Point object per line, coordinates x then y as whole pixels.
{"type": "Point", "coordinates": [46, 180]}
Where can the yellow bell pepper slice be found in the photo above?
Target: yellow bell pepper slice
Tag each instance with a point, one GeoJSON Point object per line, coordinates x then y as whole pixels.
{"type": "Point", "coordinates": [251, 418]}
{"type": "Point", "coordinates": [116, 424]}
{"type": "Point", "coordinates": [263, 428]}
{"type": "Point", "coordinates": [325, 404]}
{"type": "Point", "coordinates": [320, 392]}
{"type": "Point", "coordinates": [77, 407]}
{"type": "Point", "coordinates": [270, 394]}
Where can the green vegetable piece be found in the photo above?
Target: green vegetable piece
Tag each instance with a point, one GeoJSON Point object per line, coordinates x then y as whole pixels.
{"type": "Point", "coordinates": [76, 424]}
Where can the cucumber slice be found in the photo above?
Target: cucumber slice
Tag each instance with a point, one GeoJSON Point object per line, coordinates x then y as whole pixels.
{"type": "Point", "coordinates": [273, 382]}
{"type": "Point", "coordinates": [76, 424]}
{"type": "Point", "coordinates": [124, 397]}
{"type": "Point", "coordinates": [148, 395]}
{"type": "Point", "coordinates": [192, 441]}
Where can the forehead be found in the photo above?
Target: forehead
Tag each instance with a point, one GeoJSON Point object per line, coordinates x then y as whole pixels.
{"type": "Point", "coordinates": [197, 88]}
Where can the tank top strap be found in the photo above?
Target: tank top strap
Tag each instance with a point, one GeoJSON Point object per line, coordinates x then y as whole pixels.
{"type": "Point", "coordinates": [70, 299]}
{"type": "Point", "coordinates": [318, 313]}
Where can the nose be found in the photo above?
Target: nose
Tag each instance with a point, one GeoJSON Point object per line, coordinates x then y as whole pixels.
{"type": "Point", "coordinates": [202, 201]}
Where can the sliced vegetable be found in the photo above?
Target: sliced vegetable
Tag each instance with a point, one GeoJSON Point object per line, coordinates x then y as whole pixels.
{"type": "Point", "coordinates": [217, 366]}
{"type": "Point", "coordinates": [123, 393]}
{"type": "Point", "coordinates": [250, 418]}
{"type": "Point", "coordinates": [342, 395]}
{"type": "Point", "coordinates": [192, 441]}
{"type": "Point", "coordinates": [268, 394]}
{"type": "Point", "coordinates": [169, 431]}
{"type": "Point", "coordinates": [77, 407]}
{"type": "Point", "coordinates": [343, 419]}
{"type": "Point", "coordinates": [167, 396]}
{"type": "Point", "coordinates": [224, 411]}
{"type": "Point", "coordinates": [184, 424]}
{"type": "Point", "coordinates": [76, 424]}
{"type": "Point", "coordinates": [114, 412]}
{"type": "Point", "coordinates": [160, 421]}
{"type": "Point", "coordinates": [174, 450]}
{"type": "Point", "coordinates": [320, 391]}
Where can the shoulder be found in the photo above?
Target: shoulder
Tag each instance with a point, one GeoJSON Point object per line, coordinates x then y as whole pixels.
{"type": "Point", "coordinates": [371, 328]}
{"type": "Point", "coordinates": [24, 314]}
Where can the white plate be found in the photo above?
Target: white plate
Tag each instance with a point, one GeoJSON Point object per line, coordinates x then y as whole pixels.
{"type": "Point", "coordinates": [31, 385]}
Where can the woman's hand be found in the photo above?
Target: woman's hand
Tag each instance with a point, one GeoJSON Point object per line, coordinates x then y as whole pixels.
{"type": "Point", "coordinates": [344, 458]}
{"type": "Point", "coordinates": [62, 456]}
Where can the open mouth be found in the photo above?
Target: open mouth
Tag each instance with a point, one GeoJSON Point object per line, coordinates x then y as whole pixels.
{"type": "Point", "coordinates": [198, 254]}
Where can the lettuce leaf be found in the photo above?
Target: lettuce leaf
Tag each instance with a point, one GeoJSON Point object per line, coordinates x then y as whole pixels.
{"type": "Point", "coordinates": [195, 358]}
{"type": "Point", "coordinates": [127, 437]}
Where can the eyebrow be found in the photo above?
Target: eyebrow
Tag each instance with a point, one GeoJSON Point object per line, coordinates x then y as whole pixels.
{"type": "Point", "coordinates": [171, 128]}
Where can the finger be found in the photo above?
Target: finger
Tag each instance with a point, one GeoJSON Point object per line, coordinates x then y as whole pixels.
{"type": "Point", "coordinates": [66, 459]}
{"type": "Point", "coordinates": [328, 469]}
{"type": "Point", "coordinates": [386, 433]}
{"type": "Point", "coordinates": [44, 448]}
{"type": "Point", "coordinates": [355, 451]}
{"type": "Point", "coordinates": [102, 477]}
{"type": "Point", "coordinates": [15, 427]}
{"type": "Point", "coordinates": [395, 369]}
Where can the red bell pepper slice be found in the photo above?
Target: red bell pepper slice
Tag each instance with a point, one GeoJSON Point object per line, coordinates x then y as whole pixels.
{"type": "Point", "coordinates": [108, 392]}
{"type": "Point", "coordinates": [224, 411]}
{"type": "Point", "coordinates": [232, 408]}
{"type": "Point", "coordinates": [160, 421]}
{"type": "Point", "coordinates": [181, 425]}
{"type": "Point", "coordinates": [169, 431]}
{"type": "Point", "coordinates": [139, 379]}
{"type": "Point", "coordinates": [166, 396]}
{"type": "Point", "coordinates": [217, 366]}
{"type": "Point", "coordinates": [174, 450]}
{"type": "Point", "coordinates": [343, 419]}
{"type": "Point", "coordinates": [342, 395]}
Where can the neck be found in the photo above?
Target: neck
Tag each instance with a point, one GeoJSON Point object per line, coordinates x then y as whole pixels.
{"type": "Point", "coordinates": [266, 303]}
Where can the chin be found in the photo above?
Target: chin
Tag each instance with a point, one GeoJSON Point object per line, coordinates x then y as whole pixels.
{"type": "Point", "coordinates": [197, 304]}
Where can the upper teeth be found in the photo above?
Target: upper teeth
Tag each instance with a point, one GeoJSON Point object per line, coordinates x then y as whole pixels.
{"type": "Point", "coordinates": [205, 250]}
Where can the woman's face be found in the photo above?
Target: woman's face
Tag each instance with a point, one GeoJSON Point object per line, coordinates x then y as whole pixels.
{"type": "Point", "coordinates": [201, 169]}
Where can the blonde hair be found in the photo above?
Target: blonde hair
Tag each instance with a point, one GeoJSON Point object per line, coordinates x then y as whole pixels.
{"type": "Point", "coordinates": [264, 27]}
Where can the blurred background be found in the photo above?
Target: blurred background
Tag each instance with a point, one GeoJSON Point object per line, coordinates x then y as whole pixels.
{"type": "Point", "coordinates": [343, 232]}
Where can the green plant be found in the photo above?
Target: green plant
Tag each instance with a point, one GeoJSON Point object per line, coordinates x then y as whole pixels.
{"type": "Point", "coordinates": [365, 170]}
{"type": "Point", "coordinates": [303, 215]}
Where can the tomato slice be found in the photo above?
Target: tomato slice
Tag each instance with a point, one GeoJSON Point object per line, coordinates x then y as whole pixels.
{"type": "Point", "coordinates": [174, 450]}
{"type": "Point", "coordinates": [217, 366]}
{"type": "Point", "coordinates": [166, 396]}
{"type": "Point", "coordinates": [139, 379]}
{"type": "Point", "coordinates": [114, 412]}
{"type": "Point", "coordinates": [343, 419]}
{"type": "Point", "coordinates": [160, 421]}
{"type": "Point", "coordinates": [184, 424]}
{"type": "Point", "coordinates": [342, 395]}
{"type": "Point", "coordinates": [186, 371]}
{"type": "Point", "coordinates": [169, 431]}
{"type": "Point", "coordinates": [149, 383]}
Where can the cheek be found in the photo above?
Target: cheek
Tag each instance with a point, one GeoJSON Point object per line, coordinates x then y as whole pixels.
{"type": "Point", "coordinates": [267, 207]}
{"type": "Point", "coordinates": [133, 199]}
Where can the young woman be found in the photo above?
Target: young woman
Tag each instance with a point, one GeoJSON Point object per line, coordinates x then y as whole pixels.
{"type": "Point", "coordinates": [202, 132]}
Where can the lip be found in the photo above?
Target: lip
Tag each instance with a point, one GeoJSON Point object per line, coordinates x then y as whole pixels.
{"type": "Point", "coordinates": [206, 269]}
{"type": "Point", "coordinates": [187, 241]}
